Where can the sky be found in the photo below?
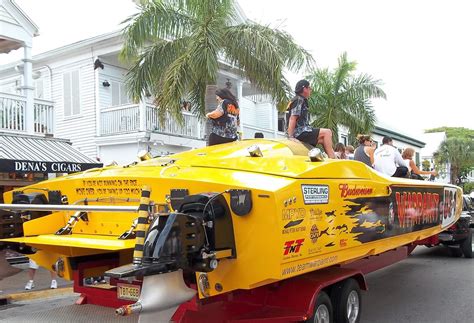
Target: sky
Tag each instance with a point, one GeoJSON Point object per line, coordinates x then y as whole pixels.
{"type": "Point", "coordinates": [422, 50]}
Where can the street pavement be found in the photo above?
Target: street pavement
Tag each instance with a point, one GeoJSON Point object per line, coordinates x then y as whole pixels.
{"type": "Point", "coordinates": [429, 286]}
{"type": "Point", "coordinates": [16, 283]}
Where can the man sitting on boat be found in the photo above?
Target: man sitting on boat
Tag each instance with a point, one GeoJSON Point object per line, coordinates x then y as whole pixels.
{"type": "Point", "coordinates": [387, 160]}
{"type": "Point", "coordinates": [298, 121]}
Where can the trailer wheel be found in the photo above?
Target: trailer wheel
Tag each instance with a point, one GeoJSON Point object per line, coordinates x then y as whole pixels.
{"type": "Point", "coordinates": [322, 310]}
{"type": "Point", "coordinates": [466, 246]}
{"type": "Point", "coordinates": [346, 298]}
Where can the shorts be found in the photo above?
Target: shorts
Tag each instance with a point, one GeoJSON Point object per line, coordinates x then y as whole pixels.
{"type": "Point", "coordinates": [217, 140]}
{"type": "Point", "coordinates": [309, 137]}
{"type": "Point", "coordinates": [33, 264]}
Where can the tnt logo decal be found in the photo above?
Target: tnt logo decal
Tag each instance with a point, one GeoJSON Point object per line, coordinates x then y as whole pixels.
{"type": "Point", "coordinates": [292, 246]}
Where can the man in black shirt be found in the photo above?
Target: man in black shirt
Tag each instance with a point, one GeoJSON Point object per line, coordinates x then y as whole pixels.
{"type": "Point", "coordinates": [298, 124]}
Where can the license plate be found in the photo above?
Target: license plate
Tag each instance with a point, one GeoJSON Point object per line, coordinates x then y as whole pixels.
{"type": "Point", "coordinates": [128, 292]}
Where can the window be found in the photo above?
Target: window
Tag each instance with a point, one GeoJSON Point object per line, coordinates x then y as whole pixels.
{"type": "Point", "coordinates": [119, 94]}
{"type": "Point", "coordinates": [417, 158]}
{"type": "Point", "coordinates": [71, 93]}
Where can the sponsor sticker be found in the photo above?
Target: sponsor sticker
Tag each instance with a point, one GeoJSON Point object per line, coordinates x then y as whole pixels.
{"type": "Point", "coordinates": [314, 234]}
{"type": "Point", "coordinates": [354, 190]}
{"type": "Point", "coordinates": [292, 246]}
{"type": "Point", "coordinates": [293, 214]}
{"type": "Point", "coordinates": [449, 206]}
{"type": "Point", "coordinates": [316, 214]}
{"type": "Point", "coordinates": [315, 194]}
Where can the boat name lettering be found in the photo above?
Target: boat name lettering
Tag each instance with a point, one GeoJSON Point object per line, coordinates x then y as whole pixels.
{"type": "Point", "coordinates": [417, 208]}
{"type": "Point", "coordinates": [354, 190]}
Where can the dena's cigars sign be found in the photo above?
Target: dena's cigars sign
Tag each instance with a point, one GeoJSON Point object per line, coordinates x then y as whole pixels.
{"type": "Point", "coordinates": [28, 166]}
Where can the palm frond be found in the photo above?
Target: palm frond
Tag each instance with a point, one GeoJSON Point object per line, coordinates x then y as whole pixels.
{"type": "Point", "coordinates": [261, 53]}
{"type": "Point", "coordinates": [156, 20]}
{"type": "Point", "coordinates": [145, 73]}
{"type": "Point", "coordinates": [342, 72]}
{"type": "Point", "coordinates": [175, 82]}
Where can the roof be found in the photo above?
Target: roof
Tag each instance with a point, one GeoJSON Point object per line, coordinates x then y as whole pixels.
{"type": "Point", "coordinates": [16, 27]}
{"type": "Point", "coordinates": [23, 153]}
{"type": "Point", "coordinates": [378, 130]}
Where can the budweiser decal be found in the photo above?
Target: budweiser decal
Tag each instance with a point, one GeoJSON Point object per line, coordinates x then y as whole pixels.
{"type": "Point", "coordinates": [354, 190]}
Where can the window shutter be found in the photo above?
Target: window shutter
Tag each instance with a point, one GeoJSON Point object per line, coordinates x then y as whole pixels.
{"type": "Point", "coordinates": [67, 94]}
{"type": "Point", "coordinates": [75, 93]}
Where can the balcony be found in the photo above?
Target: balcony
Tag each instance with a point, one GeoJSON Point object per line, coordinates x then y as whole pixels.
{"type": "Point", "coordinates": [126, 119]}
{"type": "Point", "coordinates": [13, 114]}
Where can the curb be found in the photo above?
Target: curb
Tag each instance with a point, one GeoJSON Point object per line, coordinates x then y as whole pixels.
{"type": "Point", "coordinates": [26, 296]}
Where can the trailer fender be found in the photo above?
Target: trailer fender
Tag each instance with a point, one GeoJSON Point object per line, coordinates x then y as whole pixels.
{"type": "Point", "coordinates": [300, 293]}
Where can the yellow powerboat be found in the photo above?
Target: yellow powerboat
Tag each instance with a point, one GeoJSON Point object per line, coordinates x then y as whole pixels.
{"type": "Point", "coordinates": [230, 217]}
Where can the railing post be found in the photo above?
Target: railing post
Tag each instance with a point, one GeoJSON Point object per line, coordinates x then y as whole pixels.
{"type": "Point", "coordinates": [98, 115]}
{"type": "Point", "coordinates": [28, 90]}
{"type": "Point", "coordinates": [142, 114]}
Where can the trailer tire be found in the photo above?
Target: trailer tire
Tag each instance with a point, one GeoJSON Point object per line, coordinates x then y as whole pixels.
{"type": "Point", "coordinates": [322, 312]}
{"type": "Point", "coordinates": [346, 299]}
{"type": "Point", "coordinates": [466, 246]}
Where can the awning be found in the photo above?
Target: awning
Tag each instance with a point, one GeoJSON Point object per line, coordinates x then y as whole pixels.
{"type": "Point", "coordinates": [30, 154]}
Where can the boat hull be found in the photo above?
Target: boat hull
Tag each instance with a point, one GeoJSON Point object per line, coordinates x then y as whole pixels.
{"type": "Point", "coordinates": [288, 215]}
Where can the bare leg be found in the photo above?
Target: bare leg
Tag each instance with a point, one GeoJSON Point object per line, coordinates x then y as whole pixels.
{"type": "Point", "coordinates": [31, 273]}
{"type": "Point", "coordinates": [325, 138]}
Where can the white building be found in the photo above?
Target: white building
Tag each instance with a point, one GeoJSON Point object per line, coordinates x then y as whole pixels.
{"type": "Point", "coordinates": [90, 107]}
{"type": "Point", "coordinates": [28, 153]}
{"type": "Point", "coordinates": [76, 99]}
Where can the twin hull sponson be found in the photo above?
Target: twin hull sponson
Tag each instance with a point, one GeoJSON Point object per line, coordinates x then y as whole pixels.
{"type": "Point", "coordinates": [280, 215]}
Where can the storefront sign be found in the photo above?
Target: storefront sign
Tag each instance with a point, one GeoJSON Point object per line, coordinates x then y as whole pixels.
{"type": "Point", "coordinates": [28, 166]}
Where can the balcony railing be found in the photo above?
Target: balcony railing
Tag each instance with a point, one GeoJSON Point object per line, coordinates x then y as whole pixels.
{"type": "Point", "coordinates": [192, 126]}
{"type": "Point", "coordinates": [13, 114]}
{"type": "Point", "coordinates": [119, 120]}
{"type": "Point", "coordinates": [126, 119]}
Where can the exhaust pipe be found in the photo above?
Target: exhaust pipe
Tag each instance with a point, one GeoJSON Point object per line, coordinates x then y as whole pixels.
{"type": "Point", "coordinates": [160, 296]}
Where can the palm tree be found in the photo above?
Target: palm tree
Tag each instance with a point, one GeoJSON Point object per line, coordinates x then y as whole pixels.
{"type": "Point", "coordinates": [341, 98]}
{"type": "Point", "coordinates": [175, 46]}
{"type": "Point", "coordinates": [459, 154]}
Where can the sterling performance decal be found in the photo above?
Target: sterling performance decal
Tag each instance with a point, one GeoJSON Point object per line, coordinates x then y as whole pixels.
{"type": "Point", "coordinates": [315, 194]}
